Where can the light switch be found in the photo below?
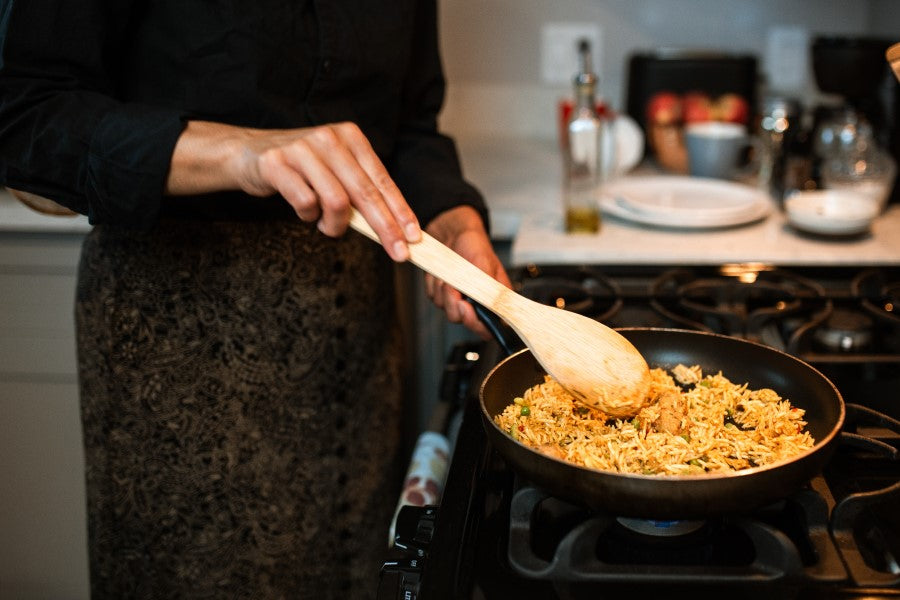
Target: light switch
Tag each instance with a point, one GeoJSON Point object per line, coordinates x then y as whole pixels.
{"type": "Point", "coordinates": [787, 55]}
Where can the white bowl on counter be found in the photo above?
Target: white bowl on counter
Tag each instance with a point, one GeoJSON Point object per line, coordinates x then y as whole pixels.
{"type": "Point", "coordinates": [831, 212]}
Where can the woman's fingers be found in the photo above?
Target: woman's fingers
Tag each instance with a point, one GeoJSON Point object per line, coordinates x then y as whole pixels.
{"type": "Point", "coordinates": [462, 230]}
{"type": "Point", "coordinates": [379, 177]}
{"type": "Point", "coordinates": [371, 190]}
{"type": "Point", "coordinates": [276, 168]}
{"type": "Point", "coordinates": [456, 308]}
{"type": "Point", "coordinates": [324, 171]}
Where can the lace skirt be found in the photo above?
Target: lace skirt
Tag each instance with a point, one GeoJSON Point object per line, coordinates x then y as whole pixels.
{"type": "Point", "coordinates": [240, 396]}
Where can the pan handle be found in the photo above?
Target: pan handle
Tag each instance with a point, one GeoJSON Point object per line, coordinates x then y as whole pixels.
{"type": "Point", "coordinates": [509, 341]}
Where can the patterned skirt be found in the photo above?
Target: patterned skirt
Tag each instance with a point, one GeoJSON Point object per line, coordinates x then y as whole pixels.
{"type": "Point", "coordinates": [240, 394]}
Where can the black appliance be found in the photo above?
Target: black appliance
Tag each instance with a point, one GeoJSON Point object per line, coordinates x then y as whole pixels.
{"type": "Point", "coordinates": [855, 69]}
{"type": "Point", "coordinates": [681, 71]}
{"type": "Point", "coordinates": [496, 536]}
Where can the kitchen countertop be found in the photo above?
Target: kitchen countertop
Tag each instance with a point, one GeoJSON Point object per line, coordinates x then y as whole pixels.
{"type": "Point", "coordinates": [521, 175]}
{"type": "Point", "coordinates": [516, 175]}
{"type": "Point", "coordinates": [541, 240]}
{"type": "Point", "coordinates": [15, 216]}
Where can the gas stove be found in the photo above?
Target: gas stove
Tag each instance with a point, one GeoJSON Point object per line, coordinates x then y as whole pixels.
{"type": "Point", "coordinates": [494, 535]}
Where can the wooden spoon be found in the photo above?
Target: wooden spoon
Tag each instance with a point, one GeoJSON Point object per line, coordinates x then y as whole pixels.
{"type": "Point", "coordinates": [591, 361]}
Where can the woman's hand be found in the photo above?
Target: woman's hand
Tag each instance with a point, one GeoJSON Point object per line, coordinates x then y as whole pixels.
{"type": "Point", "coordinates": [462, 230]}
{"type": "Point", "coordinates": [321, 171]}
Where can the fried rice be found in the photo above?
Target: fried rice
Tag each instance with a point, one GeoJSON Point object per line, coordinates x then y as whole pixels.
{"type": "Point", "coordinates": [696, 424]}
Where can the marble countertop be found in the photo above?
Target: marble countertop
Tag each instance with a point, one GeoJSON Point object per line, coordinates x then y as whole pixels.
{"type": "Point", "coordinates": [516, 176]}
{"type": "Point", "coordinates": [15, 216]}
{"type": "Point", "coordinates": [542, 240]}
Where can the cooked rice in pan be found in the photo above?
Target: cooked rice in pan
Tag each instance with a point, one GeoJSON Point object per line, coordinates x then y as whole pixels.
{"type": "Point", "coordinates": [705, 425]}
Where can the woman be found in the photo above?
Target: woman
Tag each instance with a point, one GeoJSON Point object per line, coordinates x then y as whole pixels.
{"type": "Point", "coordinates": [238, 353]}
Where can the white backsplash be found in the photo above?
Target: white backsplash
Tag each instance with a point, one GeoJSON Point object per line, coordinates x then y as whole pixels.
{"type": "Point", "coordinates": [492, 48]}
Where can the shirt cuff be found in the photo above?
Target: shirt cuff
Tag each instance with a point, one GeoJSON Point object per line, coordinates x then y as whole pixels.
{"type": "Point", "coordinates": [130, 154]}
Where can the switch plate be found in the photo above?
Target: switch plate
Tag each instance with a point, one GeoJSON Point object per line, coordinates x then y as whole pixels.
{"type": "Point", "coordinates": [559, 50]}
{"type": "Point", "coordinates": [786, 61]}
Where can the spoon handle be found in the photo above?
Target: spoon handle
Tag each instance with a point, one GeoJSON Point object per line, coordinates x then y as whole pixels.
{"type": "Point", "coordinates": [596, 364]}
{"type": "Point", "coordinates": [437, 259]}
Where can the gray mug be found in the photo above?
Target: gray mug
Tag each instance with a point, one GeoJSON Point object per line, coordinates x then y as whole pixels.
{"type": "Point", "coordinates": [714, 148]}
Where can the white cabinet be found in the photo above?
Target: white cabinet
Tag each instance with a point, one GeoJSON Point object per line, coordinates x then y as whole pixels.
{"type": "Point", "coordinates": [43, 528]}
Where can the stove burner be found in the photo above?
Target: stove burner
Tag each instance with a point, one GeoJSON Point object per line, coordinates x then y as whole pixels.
{"type": "Point", "coordinates": [754, 303]}
{"type": "Point", "coordinates": [879, 296]}
{"type": "Point", "coordinates": [581, 290]}
{"type": "Point", "coordinates": [660, 528]}
{"type": "Point", "coordinates": [864, 480]}
{"type": "Point", "coordinates": [845, 331]}
{"type": "Point", "coordinates": [785, 540]}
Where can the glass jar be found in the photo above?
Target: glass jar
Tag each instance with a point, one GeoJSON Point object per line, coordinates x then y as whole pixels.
{"type": "Point", "coordinates": [851, 158]}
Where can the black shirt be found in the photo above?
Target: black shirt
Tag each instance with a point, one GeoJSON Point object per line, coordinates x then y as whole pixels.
{"type": "Point", "coordinates": [94, 94]}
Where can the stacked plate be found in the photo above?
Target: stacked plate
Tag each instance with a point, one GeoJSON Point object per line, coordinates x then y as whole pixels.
{"type": "Point", "coordinates": [684, 202]}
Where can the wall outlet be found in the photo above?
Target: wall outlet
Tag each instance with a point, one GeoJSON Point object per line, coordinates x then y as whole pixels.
{"type": "Point", "coordinates": [559, 50]}
{"type": "Point", "coordinates": [787, 58]}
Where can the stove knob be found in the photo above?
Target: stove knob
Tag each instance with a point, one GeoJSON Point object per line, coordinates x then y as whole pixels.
{"type": "Point", "coordinates": [415, 528]}
{"type": "Point", "coordinates": [400, 580]}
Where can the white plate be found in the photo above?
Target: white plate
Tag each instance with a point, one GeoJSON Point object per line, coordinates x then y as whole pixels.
{"type": "Point", "coordinates": [684, 202]}
{"type": "Point", "coordinates": [629, 143]}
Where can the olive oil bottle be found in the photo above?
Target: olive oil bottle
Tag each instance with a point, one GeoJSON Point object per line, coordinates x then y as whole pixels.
{"type": "Point", "coordinates": [584, 153]}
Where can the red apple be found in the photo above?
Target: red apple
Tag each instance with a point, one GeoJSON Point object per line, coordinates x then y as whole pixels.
{"type": "Point", "coordinates": [664, 108]}
{"type": "Point", "coordinates": [697, 107]}
{"type": "Point", "coordinates": [732, 108]}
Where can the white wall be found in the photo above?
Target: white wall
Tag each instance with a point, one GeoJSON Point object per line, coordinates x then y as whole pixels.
{"type": "Point", "coordinates": [492, 47]}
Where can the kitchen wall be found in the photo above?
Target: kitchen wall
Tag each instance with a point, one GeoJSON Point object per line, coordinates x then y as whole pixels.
{"type": "Point", "coordinates": [492, 48]}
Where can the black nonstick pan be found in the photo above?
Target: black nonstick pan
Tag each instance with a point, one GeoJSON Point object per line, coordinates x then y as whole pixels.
{"type": "Point", "coordinates": [683, 497]}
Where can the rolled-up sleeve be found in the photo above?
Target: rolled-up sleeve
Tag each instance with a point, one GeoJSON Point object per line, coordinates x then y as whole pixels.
{"type": "Point", "coordinates": [66, 132]}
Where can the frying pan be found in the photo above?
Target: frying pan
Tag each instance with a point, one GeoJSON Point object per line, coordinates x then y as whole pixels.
{"type": "Point", "coordinates": [677, 497]}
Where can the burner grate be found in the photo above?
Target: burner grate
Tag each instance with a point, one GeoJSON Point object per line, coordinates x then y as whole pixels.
{"type": "Point", "coordinates": [760, 305]}
{"type": "Point", "coordinates": [579, 289]}
{"type": "Point", "coordinates": [766, 546]}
